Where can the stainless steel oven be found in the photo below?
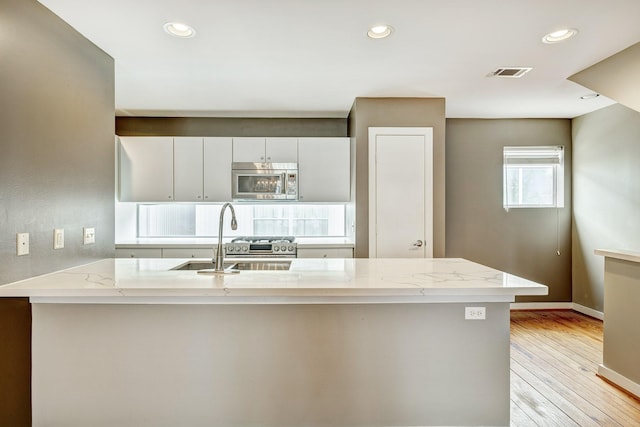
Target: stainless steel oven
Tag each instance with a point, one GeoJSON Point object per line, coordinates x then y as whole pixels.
{"type": "Point", "coordinates": [264, 181]}
{"type": "Point", "coordinates": [261, 247]}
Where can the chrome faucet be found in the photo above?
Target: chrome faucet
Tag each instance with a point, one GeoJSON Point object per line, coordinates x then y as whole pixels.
{"type": "Point", "coordinates": [219, 261]}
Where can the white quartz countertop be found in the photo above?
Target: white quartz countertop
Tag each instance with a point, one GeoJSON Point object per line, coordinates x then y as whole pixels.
{"type": "Point", "coordinates": [204, 242]}
{"type": "Point", "coordinates": [358, 280]}
{"type": "Point", "coordinates": [619, 254]}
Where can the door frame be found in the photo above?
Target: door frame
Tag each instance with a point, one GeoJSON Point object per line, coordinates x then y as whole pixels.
{"type": "Point", "coordinates": [427, 132]}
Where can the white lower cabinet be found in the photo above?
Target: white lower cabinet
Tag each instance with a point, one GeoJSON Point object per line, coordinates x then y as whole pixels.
{"type": "Point", "coordinates": [139, 253]}
{"type": "Point", "coordinates": [325, 253]}
{"type": "Point", "coordinates": [187, 253]}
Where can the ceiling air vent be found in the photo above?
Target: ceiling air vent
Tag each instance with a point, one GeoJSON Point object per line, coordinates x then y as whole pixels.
{"type": "Point", "coordinates": [510, 72]}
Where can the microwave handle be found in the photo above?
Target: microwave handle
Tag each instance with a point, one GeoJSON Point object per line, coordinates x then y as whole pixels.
{"type": "Point", "coordinates": [285, 187]}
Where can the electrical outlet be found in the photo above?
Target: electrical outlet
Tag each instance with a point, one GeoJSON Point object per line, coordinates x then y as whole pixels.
{"type": "Point", "coordinates": [22, 244]}
{"type": "Point", "coordinates": [89, 235]}
{"type": "Point", "coordinates": [475, 313]}
{"type": "Point", "coordinates": [58, 238]}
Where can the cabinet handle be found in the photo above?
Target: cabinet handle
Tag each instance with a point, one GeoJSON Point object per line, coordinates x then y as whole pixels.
{"type": "Point", "coordinates": [206, 197]}
{"type": "Point", "coordinates": [418, 244]}
{"type": "Point", "coordinates": [199, 197]}
{"type": "Point", "coordinates": [169, 197]}
{"type": "Point", "coordinates": [268, 158]}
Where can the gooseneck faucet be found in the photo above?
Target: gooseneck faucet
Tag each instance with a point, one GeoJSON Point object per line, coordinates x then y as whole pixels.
{"type": "Point", "coordinates": [219, 261]}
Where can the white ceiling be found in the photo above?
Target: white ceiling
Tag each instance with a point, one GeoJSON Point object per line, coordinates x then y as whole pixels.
{"type": "Point", "coordinates": [311, 58]}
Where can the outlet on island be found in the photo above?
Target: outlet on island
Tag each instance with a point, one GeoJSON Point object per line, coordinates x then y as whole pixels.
{"type": "Point", "coordinates": [475, 313]}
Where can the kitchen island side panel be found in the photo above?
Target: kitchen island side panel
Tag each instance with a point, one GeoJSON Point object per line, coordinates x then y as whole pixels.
{"type": "Point", "coordinates": [269, 365]}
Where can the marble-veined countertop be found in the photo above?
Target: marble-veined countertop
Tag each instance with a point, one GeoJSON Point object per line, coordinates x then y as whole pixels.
{"type": "Point", "coordinates": [355, 280]}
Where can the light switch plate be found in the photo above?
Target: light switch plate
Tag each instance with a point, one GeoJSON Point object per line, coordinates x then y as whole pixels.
{"type": "Point", "coordinates": [22, 244]}
{"type": "Point", "coordinates": [58, 238]}
{"type": "Point", "coordinates": [89, 235]}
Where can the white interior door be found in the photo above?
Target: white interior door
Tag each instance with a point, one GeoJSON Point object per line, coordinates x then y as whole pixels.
{"type": "Point", "coordinates": [400, 192]}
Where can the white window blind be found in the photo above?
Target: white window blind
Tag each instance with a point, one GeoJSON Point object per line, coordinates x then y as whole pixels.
{"type": "Point", "coordinates": [533, 176]}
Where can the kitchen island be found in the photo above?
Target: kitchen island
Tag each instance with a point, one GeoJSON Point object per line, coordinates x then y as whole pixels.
{"type": "Point", "coordinates": [330, 342]}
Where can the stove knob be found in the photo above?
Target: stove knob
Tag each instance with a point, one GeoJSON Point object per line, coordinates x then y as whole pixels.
{"type": "Point", "coordinates": [276, 248]}
{"type": "Point", "coordinates": [283, 248]}
{"type": "Point", "coordinates": [230, 248]}
{"type": "Point", "coordinates": [245, 248]}
{"type": "Point", "coordinates": [290, 248]}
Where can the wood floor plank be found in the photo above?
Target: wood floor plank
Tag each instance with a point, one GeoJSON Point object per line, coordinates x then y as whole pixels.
{"type": "Point", "coordinates": [536, 406]}
{"type": "Point", "coordinates": [579, 375]}
{"type": "Point", "coordinates": [555, 355]}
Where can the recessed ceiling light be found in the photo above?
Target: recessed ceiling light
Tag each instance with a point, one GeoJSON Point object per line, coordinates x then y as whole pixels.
{"type": "Point", "coordinates": [590, 96]}
{"type": "Point", "coordinates": [178, 29]}
{"type": "Point", "coordinates": [560, 35]}
{"type": "Point", "coordinates": [380, 31]}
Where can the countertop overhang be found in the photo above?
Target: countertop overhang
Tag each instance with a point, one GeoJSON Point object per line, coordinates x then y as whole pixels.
{"type": "Point", "coordinates": [309, 281]}
{"type": "Point", "coordinates": [624, 255]}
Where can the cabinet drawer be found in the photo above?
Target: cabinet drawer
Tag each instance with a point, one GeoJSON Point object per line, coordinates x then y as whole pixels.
{"type": "Point", "coordinates": [187, 253]}
{"type": "Point", "coordinates": [325, 253]}
{"type": "Point", "coordinates": [138, 253]}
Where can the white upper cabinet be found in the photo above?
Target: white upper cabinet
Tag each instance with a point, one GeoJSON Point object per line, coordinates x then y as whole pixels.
{"type": "Point", "coordinates": [281, 150]}
{"type": "Point", "coordinates": [250, 150]}
{"type": "Point", "coordinates": [188, 174]}
{"type": "Point", "coordinates": [202, 169]}
{"type": "Point", "coordinates": [324, 169]}
{"type": "Point", "coordinates": [183, 169]}
{"type": "Point", "coordinates": [217, 169]}
{"type": "Point", "coordinates": [146, 169]}
{"type": "Point", "coordinates": [265, 150]}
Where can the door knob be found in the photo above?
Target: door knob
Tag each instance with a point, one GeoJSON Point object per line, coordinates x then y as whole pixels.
{"type": "Point", "coordinates": [418, 244]}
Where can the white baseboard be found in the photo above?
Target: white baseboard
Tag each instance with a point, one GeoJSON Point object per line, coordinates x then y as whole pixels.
{"type": "Point", "coordinates": [558, 306]}
{"type": "Point", "coordinates": [541, 306]}
{"type": "Point", "coordinates": [588, 311]}
{"type": "Point", "coordinates": [619, 380]}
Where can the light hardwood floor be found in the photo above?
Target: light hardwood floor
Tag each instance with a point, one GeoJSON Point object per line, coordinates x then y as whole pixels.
{"type": "Point", "coordinates": [554, 360]}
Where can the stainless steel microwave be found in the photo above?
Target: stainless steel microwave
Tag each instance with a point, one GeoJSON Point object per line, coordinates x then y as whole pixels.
{"type": "Point", "coordinates": [264, 181]}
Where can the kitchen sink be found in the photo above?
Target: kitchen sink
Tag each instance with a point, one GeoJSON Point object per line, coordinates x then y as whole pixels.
{"type": "Point", "coordinates": [195, 265]}
{"type": "Point", "coordinates": [262, 265]}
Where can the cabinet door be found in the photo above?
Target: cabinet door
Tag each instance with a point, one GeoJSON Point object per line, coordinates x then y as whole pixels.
{"type": "Point", "coordinates": [187, 253]}
{"type": "Point", "coordinates": [325, 253]}
{"type": "Point", "coordinates": [324, 169]}
{"type": "Point", "coordinates": [138, 253]}
{"type": "Point", "coordinates": [146, 169]}
{"type": "Point", "coordinates": [248, 150]}
{"type": "Point", "coordinates": [187, 164]}
{"type": "Point", "coordinates": [217, 169]}
{"type": "Point", "coordinates": [282, 150]}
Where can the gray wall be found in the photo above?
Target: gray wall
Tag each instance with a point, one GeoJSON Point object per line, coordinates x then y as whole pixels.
{"type": "Point", "coordinates": [56, 141]}
{"type": "Point", "coordinates": [406, 112]}
{"type": "Point", "coordinates": [229, 126]}
{"type": "Point", "coordinates": [606, 189]}
{"type": "Point", "coordinates": [521, 241]}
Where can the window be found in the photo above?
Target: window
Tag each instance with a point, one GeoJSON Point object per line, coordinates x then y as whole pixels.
{"type": "Point", "coordinates": [533, 177]}
{"type": "Point", "coordinates": [192, 220]}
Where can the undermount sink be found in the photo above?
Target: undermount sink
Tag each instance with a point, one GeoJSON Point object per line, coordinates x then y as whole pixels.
{"type": "Point", "coordinates": [262, 265]}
